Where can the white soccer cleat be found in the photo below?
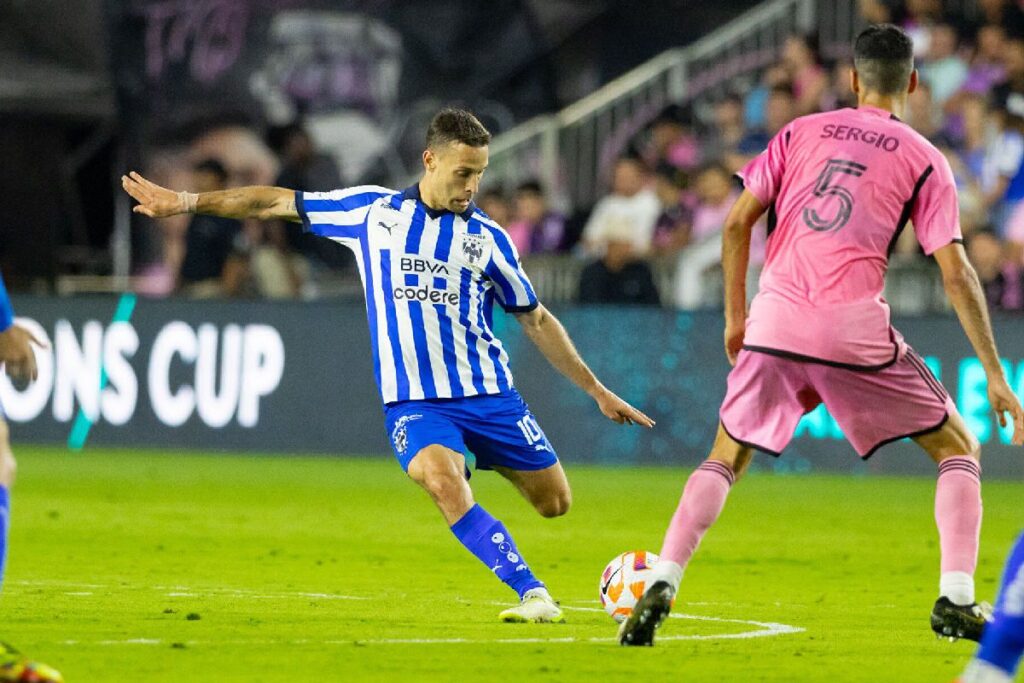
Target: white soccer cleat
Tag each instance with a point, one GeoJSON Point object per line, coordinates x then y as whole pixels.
{"type": "Point", "coordinates": [537, 607]}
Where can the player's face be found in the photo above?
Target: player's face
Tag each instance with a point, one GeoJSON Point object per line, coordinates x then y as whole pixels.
{"type": "Point", "coordinates": [454, 172]}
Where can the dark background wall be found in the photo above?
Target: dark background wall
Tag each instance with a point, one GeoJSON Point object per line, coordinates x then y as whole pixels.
{"type": "Point", "coordinates": [326, 401]}
{"type": "Point", "coordinates": [88, 85]}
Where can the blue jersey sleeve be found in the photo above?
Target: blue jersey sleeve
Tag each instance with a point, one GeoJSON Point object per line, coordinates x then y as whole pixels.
{"type": "Point", "coordinates": [6, 309]}
{"type": "Point", "coordinates": [339, 214]}
{"type": "Point", "coordinates": [1002, 644]}
{"type": "Point", "coordinates": [513, 287]}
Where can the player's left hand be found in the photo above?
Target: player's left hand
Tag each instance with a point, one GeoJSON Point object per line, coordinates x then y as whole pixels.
{"type": "Point", "coordinates": [1003, 400]}
{"type": "Point", "coordinates": [620, 412]}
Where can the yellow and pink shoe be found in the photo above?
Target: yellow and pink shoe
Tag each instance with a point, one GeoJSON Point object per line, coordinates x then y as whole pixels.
{"type": "Point", "coordinates": [17, 668]}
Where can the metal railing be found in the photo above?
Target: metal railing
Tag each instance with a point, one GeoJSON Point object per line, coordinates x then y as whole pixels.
{"type": "Point", "coordinates": [571, 151]}
{"type": "Point", "coordinates": [913, 285]}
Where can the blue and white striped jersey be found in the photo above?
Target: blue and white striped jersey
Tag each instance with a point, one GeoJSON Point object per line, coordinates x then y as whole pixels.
{"type": "Point", "coordinates": [430, 279]}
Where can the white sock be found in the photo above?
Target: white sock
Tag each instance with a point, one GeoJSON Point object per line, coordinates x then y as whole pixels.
{"type": "Point", "coordinates": [538, 592]}
{"type": "Point", "coordinates": [958, 587]}
{"type": "Point", "coordinates": [979, 671]}
{"type": "Point", "coordinates": [667, 570]}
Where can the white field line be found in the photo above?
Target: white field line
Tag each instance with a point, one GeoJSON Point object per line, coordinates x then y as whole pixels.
{"type": "Point", "coordinates": [762, 629]}
{"type": "Point", "coordinates": [184, 591]}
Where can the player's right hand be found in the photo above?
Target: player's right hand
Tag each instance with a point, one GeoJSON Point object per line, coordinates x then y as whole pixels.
{"type": "Point", "coordinates": [154, 201]}
{"type": "Point", "coordinates": [734, 334]}
{"type": "Point", "coordinates": [620, 412]}
{"type": "Point", "coordinates": [17, 355]}
{"type": "Point", "coordinates": [1003, 401]}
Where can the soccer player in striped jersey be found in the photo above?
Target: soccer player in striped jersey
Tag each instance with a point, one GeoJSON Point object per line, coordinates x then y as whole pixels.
{"type": "Point", "coordinates": [19, 363]}
{"type": "Point", "coordinates": [433, 266]}
{"type": "Point", "coordinates": [1002, 644]}
{"type": "Point", "coordinates": [838, 188]}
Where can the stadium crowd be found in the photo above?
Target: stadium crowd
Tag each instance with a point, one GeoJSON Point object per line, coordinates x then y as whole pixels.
{"type": "Point", "coordinates": [670, 192]}
{"type": "Point", "coordinates": [970, 104]}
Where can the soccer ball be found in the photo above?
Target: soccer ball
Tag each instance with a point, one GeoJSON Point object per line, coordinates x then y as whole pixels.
{"type": "Point", "coordinates": [624, 581]}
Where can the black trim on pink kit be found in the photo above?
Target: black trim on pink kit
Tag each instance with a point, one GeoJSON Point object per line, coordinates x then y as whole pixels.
{"type": "Point", "coordinates": [908, 208]}
{"type": "Point", "coordinates": [922, 432]}
{"type": "Point", "coordinates": [749, 444]}
{"type": "Point", "coordinates": [789, 355]}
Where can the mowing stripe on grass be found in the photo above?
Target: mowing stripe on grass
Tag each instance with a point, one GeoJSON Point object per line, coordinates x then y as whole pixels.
{"type": "Point", "coordinates": [82, 424]}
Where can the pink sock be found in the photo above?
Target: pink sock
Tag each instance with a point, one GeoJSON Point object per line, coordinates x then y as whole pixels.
{"type": "Point", "coordinates": [958, 514]}
{"type": "Point", "coordinates": [702, 501]}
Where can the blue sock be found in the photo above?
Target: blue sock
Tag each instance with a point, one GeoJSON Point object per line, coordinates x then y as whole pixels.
{"type": "Point", "coordinates": [1003, 642]}
{"type": "Point", "coordinates": [490, 541]}
{"type": "Point", "coordinates": [5, 517]}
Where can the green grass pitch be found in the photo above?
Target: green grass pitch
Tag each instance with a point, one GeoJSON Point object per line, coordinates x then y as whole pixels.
{"type": "Point", "coordinates": [143, 566]}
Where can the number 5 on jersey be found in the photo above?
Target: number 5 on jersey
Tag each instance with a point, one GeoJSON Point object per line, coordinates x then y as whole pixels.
{"type": "Point", "coordinates": [831, 206]}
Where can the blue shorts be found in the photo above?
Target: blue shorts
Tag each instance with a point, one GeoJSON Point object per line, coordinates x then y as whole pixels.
{"type": "Point", "coordinates": [498, 429]}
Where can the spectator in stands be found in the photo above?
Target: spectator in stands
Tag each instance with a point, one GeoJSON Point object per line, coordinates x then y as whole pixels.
{"type": "Point", "coordinates": [723, 143]}
{"type": "Point", "coordinates": [976, 131]}
{"type": "Point", "coordinates": [755, 104]}
{"type": "Point", "coordinates": [1005, 13]}
{"type": "Point", "coordinates": [1009, 94]}
{"type": "Point", "coordinates": [209, 240]}
{"type": "Point", "coordinates": [943, 69]}
{"type": "Point", "coordinates": [839, 94]}
{"type": "Point", "coordinates": [780, 109]}
{"type": "Point", "coordinates": [1004, 156]}
{"type": "Point", "coordinates": [303, 168]}
{"type": "Point", "coordinates": [276, 270]}
{"type": "Point", "coordinates": [672, 231]}
{"type": "Point", "coordinates": [631, 209]}
{"type": "Point", "coordinates": [969, 194]}
{"type": "Point", "coordinates": [1004, 179]}
{"type": "Point", "coordinates": [808, 76]}
{"type": "Point", "coordinates": [672, 140]}
{"type": "Point", "coordinates": [879, 11]}
{"type": "Point", "coordinates": [618, 276]}
{"type": "Point", "coordinates": [496, 205]}
{"type": "Point", "coordinates": [1001, 276]}
{"type": "Point", "coordinates": [920, 17]}
{"type": "Point", "coordinates": [923, 115]}
{"type": "Point", "coordinates": [716, 194]}
{"type": "Point", "coordinates": [534, 228]}
{"type": "Point", "coordinates": [986, 69]}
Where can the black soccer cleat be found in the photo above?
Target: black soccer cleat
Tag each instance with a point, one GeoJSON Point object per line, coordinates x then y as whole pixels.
{"type": "Point", "coordinates": [959, 621]}
{"type": "Point", "coordinates": [650, 611]}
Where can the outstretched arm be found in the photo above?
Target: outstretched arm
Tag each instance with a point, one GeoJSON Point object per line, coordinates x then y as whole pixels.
{"type": "Point", "coordinates": [550, 337]}
{"type": "Point", "coordinates": [260, 202]}
{"type": "Point", "coordinates": [964, 290]}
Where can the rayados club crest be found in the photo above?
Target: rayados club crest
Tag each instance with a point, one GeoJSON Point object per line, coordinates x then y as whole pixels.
{"type": "Point", "coordinates": [473, 248]}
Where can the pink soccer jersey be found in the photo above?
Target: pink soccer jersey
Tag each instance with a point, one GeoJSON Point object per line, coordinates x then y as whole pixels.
{"type": "Point", "coordinates": [840, 187]}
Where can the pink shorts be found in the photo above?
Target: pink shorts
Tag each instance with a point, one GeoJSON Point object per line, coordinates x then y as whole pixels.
{"type": "Point", "coordinates": [768, 394]}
